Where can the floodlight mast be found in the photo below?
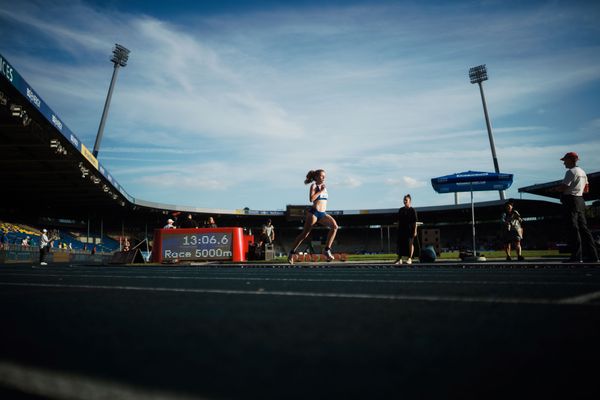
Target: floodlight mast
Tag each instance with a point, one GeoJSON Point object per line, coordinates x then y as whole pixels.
{"type": "Point", "coordinates": [478, 75]}
{"type": "Point", "coordinates": [119, 59]}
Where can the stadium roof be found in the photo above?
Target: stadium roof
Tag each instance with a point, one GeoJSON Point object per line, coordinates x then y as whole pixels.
{"type": "Point", "coordinates": [546, 189]}
{"type": "Point", "coordinates": [47, 168]}
{"type": "Point", "coordinates": [47, 171]}
{"type": "Point", "coordinates": [42, 169]}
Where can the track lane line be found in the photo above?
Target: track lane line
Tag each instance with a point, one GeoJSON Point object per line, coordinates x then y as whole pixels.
{"type": "Point", "coordinates": [334, 280]}
{"type": "Point", "coordinates": [582, 299]}
{"type": "Point", "coordinates": [68, 385]}
{"type": "Point", "coordinates": [262, 292]}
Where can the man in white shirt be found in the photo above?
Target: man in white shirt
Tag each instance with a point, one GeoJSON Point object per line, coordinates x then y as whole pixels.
{"type": "Point", "coordinates": [268, 233]}
{"type": "Point", "coordinates": [573, 186]}
{"type": "Point", "coordinates": [44, 246]}
{"type": "Point", "coordinates": [169, 224]}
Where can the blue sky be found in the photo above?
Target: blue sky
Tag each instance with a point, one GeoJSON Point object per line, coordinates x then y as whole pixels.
{"type": "Point", "coordinates": [227, 104]}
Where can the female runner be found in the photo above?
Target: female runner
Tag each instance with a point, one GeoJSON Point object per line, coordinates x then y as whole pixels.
{"type": "Point", "coordinates": [318, 196]}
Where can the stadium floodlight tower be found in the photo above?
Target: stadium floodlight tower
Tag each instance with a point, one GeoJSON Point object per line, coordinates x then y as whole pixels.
{"type": "Point", "coordinates": [119, 59]}
{"type": "Point", "coordinates": [478, 74]}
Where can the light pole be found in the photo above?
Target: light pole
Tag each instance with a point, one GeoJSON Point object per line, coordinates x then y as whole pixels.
{"type": "Point", "coordinates": [119, 58]}
{"type": "Point", "coordinates": [478, 75]}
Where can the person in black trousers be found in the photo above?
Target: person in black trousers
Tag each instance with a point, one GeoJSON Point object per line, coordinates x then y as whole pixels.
{"type": "Point", "coordinates": [573, 186]}
{"type": "Point", "coordinates": [407, 231]}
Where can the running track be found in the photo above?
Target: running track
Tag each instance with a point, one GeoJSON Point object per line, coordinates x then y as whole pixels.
{"type": "Point", "coordinates": [341, 331]}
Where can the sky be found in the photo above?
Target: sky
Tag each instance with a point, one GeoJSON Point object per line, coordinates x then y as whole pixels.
{"type": "Point", "coordinates": [228, 104]}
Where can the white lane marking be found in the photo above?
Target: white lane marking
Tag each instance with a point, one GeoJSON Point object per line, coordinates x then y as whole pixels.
{"type": "Point", "coordinates": [582, 299]}
{"type": "Point", "coordinates": [263, 292]}
{"type": "Point", "coordinates": [63, 385]}
{"type": "Point", "coordinates": [385, 270]}
{"type": "Point", "coordinates": [352, 273]}
{"type": "Point", "coordinates": [343, 280]}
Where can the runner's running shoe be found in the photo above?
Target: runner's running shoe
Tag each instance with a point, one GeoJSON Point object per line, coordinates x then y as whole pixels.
{"type": "Point", "coordinates": [328, 255]}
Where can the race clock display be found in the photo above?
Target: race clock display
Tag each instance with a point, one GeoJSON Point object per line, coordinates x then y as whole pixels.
{"type": "Point", "coordinates": [200, 244]}
{"type": "Point", "coordinates": [197, 246]}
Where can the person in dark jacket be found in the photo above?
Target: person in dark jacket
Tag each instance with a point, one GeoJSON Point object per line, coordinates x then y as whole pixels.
{"type": "Point", "coordinates": [407, 231]}
{"type": "Point", "coordinates": [188, 222]}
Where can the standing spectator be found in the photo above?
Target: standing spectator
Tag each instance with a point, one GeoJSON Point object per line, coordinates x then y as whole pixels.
{"type": "Point", "coordinates": [407, 231]}
{"type": "Point", "coordinates": [267, 235]}
{"type": "Point", "coordinates": [188, 222]}
{"type": "Point", "coordinates": [169, 224]}
{"type": "Point", "coordinates": [44, 247]}
{"type": "Point", "coordinates": [4, 240]}
{"type": "Point", "coordinates": [210, 223]}
{"type": "Point", "coordinates": [512, 230]}
{"type": "Point", "coordinates": [573, 186]}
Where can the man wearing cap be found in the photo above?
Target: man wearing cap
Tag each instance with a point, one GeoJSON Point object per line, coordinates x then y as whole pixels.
{"type": "Point", "coordinates": [44, 246]}
{"type": "Point", "coordinates": [574, 184]}
{"type": "Point", "coordinates": [169, 224]}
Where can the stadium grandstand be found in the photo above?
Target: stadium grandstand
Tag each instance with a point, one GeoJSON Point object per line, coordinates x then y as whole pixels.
{"type": "Point", "coordinates": [52, 180]}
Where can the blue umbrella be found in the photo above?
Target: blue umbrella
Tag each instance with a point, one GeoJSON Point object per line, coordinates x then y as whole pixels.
{"type": "Point", "coordinates": [472, 181]}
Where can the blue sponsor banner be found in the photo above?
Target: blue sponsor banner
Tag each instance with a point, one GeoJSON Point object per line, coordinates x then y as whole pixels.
{"type": "Point", "coordinates": [23, 87]}
{"type": "Point", "coordinates": [8, 72]}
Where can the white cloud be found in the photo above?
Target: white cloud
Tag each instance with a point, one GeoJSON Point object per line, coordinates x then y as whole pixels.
{"type": "Point", "coordinates": [412, 182]}
{"type": "Point", "coordinates": [178, 181]}
{"type": "Point", "coordinates": [593, 125]}
{"type": "Point", "coordinates": [349, 182]}
{"type": "Point", "coordinates": [406, 182]}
